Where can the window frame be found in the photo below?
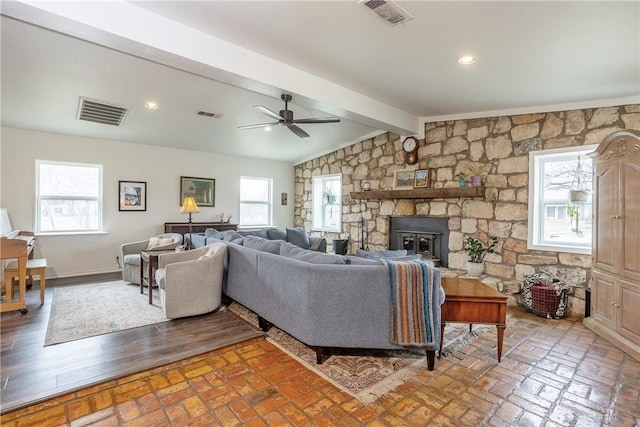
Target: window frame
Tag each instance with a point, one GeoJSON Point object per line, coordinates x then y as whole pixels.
{"type": "Point", "coordinates": [40, 198]}
{"type": "Point", "coordinates": [268, 203]}
{"type": "Point", "coordinates": [537, 208]}
{"type": "Point", "coordinates": [318, 202]}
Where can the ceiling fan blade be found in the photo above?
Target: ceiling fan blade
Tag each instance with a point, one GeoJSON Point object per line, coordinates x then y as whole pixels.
{"type": "Point", "coordinates": [261, 125]}
{"type": "Point", "coordinates": [299, 132]}
{"type": "Point", "coordinates": [319, 120]}
{"type": "Point", "coordinates": [268, 112]}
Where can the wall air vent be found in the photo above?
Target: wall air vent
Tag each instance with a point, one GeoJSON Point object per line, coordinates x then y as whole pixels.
{"type": "Point", "coordinates": [388, 10]}
{"type": "Point", "coordinates": [106, 113]}
{"type": "Point", "coordinates": [208, 114]}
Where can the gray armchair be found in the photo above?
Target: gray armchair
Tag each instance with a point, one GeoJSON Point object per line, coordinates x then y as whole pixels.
{"type": "Point", "coordinates": [130, 255]}
{"type": "Point", "coordinates": [190, 282]}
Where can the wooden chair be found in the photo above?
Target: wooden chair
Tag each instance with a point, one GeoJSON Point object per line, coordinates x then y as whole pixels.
{"type": "Point", "coordinates": [35, 267]}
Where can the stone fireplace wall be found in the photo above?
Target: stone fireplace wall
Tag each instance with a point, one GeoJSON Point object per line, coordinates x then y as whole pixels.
{"type": "Point", "coordinates": [501, 143]}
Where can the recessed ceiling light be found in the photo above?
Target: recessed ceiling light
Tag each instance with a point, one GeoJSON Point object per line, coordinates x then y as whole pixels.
{"type": "Point", "coordinates": [267, 128]}
{"type": "Point", "coordinates": [467, 60]}
{"type": "Point", "coordinates": [151, 105]}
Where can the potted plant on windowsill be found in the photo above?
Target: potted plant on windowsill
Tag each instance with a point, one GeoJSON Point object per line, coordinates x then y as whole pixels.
{"type": "Point", "coordinates": [329, 197]}
{"type": "Point", "coordinates": [476, 251]}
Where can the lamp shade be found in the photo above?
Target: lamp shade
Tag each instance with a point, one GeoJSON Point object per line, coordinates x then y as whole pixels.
{"type": "Point", "coordinates": [189, 206]}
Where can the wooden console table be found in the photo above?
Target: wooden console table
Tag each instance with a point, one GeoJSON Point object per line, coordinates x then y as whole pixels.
{"type": "Point", "coordinates": [198, 227]}
{"type": "Point", "coordinates": [471, 301]}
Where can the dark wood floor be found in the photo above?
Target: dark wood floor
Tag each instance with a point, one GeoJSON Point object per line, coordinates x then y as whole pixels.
{"type": "Point", "coordinates": [32, 373]}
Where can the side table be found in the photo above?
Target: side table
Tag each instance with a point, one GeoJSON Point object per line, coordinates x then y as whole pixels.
{"type": "Point", "coordinates": [150, 260]}
{"type": "Point", "coordinates": [470, 301]}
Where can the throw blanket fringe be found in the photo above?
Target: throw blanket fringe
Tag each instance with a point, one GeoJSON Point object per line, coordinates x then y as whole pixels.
{"type": "Point", "coordinates": [411, 306]}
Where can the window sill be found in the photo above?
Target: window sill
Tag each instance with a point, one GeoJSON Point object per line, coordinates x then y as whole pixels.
{"type": "Point", "coordinates": [564, 249]}
{"type": "Point", "coordinates": [70, 233]}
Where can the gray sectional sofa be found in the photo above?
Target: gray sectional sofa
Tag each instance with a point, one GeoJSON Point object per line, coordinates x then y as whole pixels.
{"type": "Point", "coordinates": [325, 301]}
{"type": "Point", "coordinates": [297, 236]}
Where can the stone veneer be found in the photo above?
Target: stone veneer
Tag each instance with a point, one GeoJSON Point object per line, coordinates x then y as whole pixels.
{"type": "Point", "coordinates": [500, 143]}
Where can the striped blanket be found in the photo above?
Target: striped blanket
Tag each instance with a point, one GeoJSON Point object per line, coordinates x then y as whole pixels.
{"type": "Point", "coordinates": [411, 306]}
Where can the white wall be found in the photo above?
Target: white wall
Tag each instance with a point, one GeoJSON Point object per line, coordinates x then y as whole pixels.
{"type": "Point", "coordinates": [160, 167]}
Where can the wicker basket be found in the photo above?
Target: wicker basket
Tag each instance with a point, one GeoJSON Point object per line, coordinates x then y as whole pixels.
{"type": "Point", "coordinates": [545, 297]}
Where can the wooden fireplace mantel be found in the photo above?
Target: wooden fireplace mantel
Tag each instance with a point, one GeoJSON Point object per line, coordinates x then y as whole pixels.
{"type": "Point", "coordinates": [421, 193]}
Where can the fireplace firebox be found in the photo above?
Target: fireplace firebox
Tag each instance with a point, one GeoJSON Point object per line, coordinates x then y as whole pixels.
{"type": "Point", "coordinates": [425, 235]}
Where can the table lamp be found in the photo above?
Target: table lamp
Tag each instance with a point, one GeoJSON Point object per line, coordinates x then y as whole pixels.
{"type": "Point", "coordinates": [188, 207]}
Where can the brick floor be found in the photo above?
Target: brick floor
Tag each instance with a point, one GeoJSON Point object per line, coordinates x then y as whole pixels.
{"type": "Point", "coordinates": [553, 373]}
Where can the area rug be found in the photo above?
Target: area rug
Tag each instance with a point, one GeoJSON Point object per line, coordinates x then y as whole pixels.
{"type": "Point", "coordinates": [369, 375]}
{"type": "Point", "coordinates": [82, 311]}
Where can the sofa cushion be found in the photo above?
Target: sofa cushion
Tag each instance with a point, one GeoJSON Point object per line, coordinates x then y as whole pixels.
{"type": "Point", "coordinates": [276, 234]}
{"type": "Point", "coordinates": [264, 245]}
{"type": "Point", "coordinates": [132, 259]}
{"type": "Point", "coordinates": [290, 250]}
{"type": "Point", "coordinates": [397, 253]}
{"type": "Point", "coordinates": [160, 275]}
{"type": "Point", "coordinates": [238, 241]}
{"type": "Point", "coordinates": [298, 236]}
{"type": "Point", "coordinates": [211, 232]}
{"type": "Point", "coordinates": [259, 232]}
{"type": "Point", "coordinates": [155, 242]}
{"type": "Point", "coordinates": [229, 235]}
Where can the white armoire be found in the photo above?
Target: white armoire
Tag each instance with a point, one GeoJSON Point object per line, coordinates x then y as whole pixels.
{"type": "Point", "coordinates": [615, 280]}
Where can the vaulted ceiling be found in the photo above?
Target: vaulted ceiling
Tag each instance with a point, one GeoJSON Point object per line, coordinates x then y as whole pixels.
{"type": "Point", "coordinates": [336, 58]}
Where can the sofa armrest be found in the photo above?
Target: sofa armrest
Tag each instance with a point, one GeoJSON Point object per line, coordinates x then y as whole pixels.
{"type": "Point", "coordinates": [196, 240]}
{"type": "Point", "coordinates": [318, 244]}
{"type": "Point", "coordinates": [133, 247]}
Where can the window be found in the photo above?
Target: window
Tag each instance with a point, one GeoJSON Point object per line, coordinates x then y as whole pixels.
{"type": "Point", "coordinates": [68, 197]}
{"type": "Point", "coordinates": [255, 202]}
{"type": "Point", "coordinates": [558, 219]}
{"type": "Point", "coordinates": [327, 202]}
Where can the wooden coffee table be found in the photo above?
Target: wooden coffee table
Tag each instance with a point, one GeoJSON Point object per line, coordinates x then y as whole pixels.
{"type": "Point", "coordinates": [471, 301]}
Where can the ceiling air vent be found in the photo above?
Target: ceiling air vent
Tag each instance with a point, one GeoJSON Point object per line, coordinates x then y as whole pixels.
{"type": "Point", "coordinates": [208, 114]}
{"type": "Point", "coordinates": [95, 111]}
{"type": "Point", "coordinates": [388, 10]}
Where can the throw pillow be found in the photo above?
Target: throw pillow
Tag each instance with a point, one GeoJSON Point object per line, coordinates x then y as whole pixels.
{"type": "Point", "coordinates": [156, 242]}
{"type": "Point", "coordinates": [290, 250]}
{"type": "Point", "coordinates": [276, 234]}
{"type": "Point", "coordinates": [264, 245]}
{"type": "Point", "coordinates": [230, 235]}
{"type": "Point", "coordinates": [298, 236]}
{"type": "Point", "coordinates": [381, 254]}
{"type": "Point", "coordinates": [210, 232]}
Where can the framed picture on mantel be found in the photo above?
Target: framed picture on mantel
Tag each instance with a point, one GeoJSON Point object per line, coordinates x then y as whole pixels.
{"type": "Point", "coordinates": [201, 189]}
{"type": "Point", "coordinates": [403, 179]}
{"type": "Point", "coordinates": [422, 178]}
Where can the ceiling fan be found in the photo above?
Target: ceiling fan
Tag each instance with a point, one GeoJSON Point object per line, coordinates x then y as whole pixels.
{"type": "Point", "coordinates": [285, 118]}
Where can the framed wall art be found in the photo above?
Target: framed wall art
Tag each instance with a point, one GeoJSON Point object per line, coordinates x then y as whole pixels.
{"type": "Point", "coordinates": [203, 190]}
{"type": "Point", "coordinates": [423, 177]}
{"type": "Point", "coordinates": [403, 179]}
{"type": "Point", "coordinates": [133, 196]}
